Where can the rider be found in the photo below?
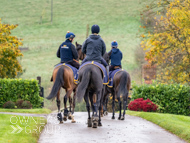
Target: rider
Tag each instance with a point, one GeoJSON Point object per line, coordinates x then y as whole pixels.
{"type": "Point", "coordinates": [116, 56]}
{"type": "Point", "coordinates": [94, 47]}
{"type": "Point", "coordinates": [67, 51]}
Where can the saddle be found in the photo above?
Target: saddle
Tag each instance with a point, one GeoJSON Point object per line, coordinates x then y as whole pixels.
{"type": "Point", "coordinates": [101, 67]}
{"type": "Point", "coordinates": [75, 71]}
{"type": "Point", "coordinates": [112, 75]}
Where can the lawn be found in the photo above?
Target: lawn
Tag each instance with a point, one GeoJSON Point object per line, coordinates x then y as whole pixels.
{"type": "Point", "coordinates": [118, 20]}
{"type": "Point", "coordinates": [20, 129]}
{"type": "Point", "coordinates": [176, 124]}
{"type": "Point", "coordinates": [33, 111]}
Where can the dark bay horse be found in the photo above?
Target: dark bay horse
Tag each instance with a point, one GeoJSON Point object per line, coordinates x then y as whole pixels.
{"type": "Point", "coordinates": [121, 87]}
{"type": "Point", "coordinates": [90, 88]}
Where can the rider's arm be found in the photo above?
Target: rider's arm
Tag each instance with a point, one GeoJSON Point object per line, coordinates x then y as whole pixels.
{"type": "Point", "coordinates": [84, 47]}
{"type": "Point", "coordinates": [58, 52]}
{"type": "Point", "coordinates": [74, 51]}
{"type": "Point", "coordinates": [103, 48]}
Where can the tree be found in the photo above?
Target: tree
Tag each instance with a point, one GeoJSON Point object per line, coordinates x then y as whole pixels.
{"type": "Point", "coordinates": [169, 48]}
{"type": "Point", "coordinates": [9, 52]}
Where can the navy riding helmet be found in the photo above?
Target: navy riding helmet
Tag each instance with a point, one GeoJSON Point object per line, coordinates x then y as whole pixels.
{"type": "Point", "coordinates": [95, 29]}
{"type": "Point", "coordinates": [114, 44]}
{"type": "Point", "coordinates": [69, 35]}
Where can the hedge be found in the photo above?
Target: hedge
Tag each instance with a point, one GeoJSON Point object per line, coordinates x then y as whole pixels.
{"type": "Point", "coordinates": [13, 89]}
{"type": "Point", "coordinates": [173, 98]}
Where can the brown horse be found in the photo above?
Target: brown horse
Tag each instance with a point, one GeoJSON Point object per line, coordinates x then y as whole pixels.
{"type": "Point", "coordinates": [63, 77]}
{"type": "Point", "coordinates": [121, 86]}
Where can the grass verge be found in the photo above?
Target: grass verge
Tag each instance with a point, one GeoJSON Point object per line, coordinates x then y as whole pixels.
{"type": "Point", "coordinates": [20, 129]}
{"type": "Point", "coordinates": [34, 111]}
{"type": "Point", "coordinates": [176, 124]}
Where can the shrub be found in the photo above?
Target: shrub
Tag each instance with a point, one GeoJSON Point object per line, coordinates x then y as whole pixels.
{"type": "Point", "coordinates": [19, 103]}
{"type": "Point", "coordinates": [172, 98]}
{"type": "Point", "coordinates": [26, 105]}
{"type": "Point", "coordinates": [9, 105]}
{"type": "Point", "coordinates": [142, 105]}
{"type": "Point", "coordinates": [14, 89]}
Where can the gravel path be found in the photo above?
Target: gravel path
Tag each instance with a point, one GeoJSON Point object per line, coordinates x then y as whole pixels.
{"type": "Point", "coordinates": [131, 130]}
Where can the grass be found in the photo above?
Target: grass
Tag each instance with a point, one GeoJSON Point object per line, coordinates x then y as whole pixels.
{"type": "Point", "coordinates": [176, 124]}
{"type": "Point", "coordinates": [31, 128]}
{"type": "Point", "coordinates": [33, 111]}
{"type": "Point", "coordinates": [118, 20]}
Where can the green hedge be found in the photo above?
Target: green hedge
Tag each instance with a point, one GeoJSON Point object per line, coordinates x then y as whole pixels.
{"type": "Point", "coordinates": [171, 98]}
{"type": "Point", "coordinates": [13, 89]}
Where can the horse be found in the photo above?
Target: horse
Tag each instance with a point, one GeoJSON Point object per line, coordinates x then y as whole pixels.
{"type": "Point", "coordinates": [90, 88]}
{"type": "Point", "coordinates": [121, 86]}
{"type": "Point", "coordinates": [63, 77]}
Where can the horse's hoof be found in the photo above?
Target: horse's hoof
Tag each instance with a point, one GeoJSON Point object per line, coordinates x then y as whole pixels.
{"type": "Point", "coordinates": [89, 123]}
{"type": "Point", "coordinates": [94, 124]}
{"type": "Point", "coordinates": [65, 118]}
{"type": "Point", "coordinates": [112, 117]}
{"type": "Point", "coordinates": [122, 118]}
{"type": "Point", "coordinates": [99, 124]}
{"type": "Point", "coordinates": [105, 113]}
{"type": "Point", "coordinates": [119, 118]}
{"type": "Point", "coordinates": [70, 117]}
{"type": "Point", "coordinates": [61, 122]}
{"type": "Point", "coordinates": [73, 121]}
{"type": "Point", "coordinates": [59, 117]}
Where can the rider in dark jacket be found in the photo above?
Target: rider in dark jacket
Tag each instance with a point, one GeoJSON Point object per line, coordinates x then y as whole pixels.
{"type": "Point", "coordinates": [94, 47]}
{"type": "Point", "coordinates": [67, 51]}
{"type": "Point", "coordinates": [116, 56]}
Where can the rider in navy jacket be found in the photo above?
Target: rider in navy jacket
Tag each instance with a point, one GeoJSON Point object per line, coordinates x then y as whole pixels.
{"type": "Point", "coordinates": [116, 56]}
{"type": "Point", "coordinates": [67, 51]}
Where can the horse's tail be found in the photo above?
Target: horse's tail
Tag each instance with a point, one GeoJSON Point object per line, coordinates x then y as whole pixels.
{"type": "Point", "coordinates": [58, 84]}
{"type": "Point", "coordinates": [123, 85]}
{"type": "Point", "coordinates": [85, 79]}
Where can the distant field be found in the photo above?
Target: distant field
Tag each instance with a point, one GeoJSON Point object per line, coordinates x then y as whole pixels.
{"type": "Point", "coordinates": [118, 20]}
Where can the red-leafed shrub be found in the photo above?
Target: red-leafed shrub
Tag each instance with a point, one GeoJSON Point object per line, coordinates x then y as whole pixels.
{"type": "Point", "coordinates": [142, 105]}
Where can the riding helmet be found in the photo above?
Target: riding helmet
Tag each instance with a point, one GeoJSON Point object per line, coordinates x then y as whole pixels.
{"type": "Point", "coordinates": [69, 35]}
{"type": "Point", "coordinates": [95, 29]}
{"type": "Point", "coordinates": [114, 44]}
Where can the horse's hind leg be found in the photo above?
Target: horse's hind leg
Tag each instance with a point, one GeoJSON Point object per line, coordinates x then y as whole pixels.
{"type": "Point", "coordinates": [68, 93]}
{"type": "Point", "coordinates": [70, 112]}
{"type": "Point", "coordinates": [92, 100]}
{"type": "Point", "coordinates": [106, 106]}
{"type": "Point", "coordinates": [88, 108]}
{"type": "Point", "coordinates": [97, 119]}
{"type": "Point", "coordinates": [59, 115]}
{"type": "Point", "coordinates": [119, 102]}
{"type": "Point", "coordinates": [124, 105]}
{"type": "Point", "coordinates": [100, 107]}
{"type": "Point", "coordinates": [73, 106]}
{"type": "Point", "coordinates": [113, 107]}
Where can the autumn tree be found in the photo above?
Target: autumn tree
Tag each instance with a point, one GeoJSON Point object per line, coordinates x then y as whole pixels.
{"type": "Point", "coordinates": [170, 47]}
{"type": "Point", "coordinates": [9, 52]}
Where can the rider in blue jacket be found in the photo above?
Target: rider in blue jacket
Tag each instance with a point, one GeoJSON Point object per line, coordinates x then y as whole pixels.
{"type": "Point", "coordinates": [116, 56]}
{"type": "Point", "coordinates": [67, 51]}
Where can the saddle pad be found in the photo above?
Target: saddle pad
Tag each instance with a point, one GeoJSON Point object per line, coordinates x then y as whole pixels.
{"type": "Point", "coordinates": [111, 76]}
{"type": "Point", "coordinates": [101, 67]}
{"type": "Point", "coordinates": [75, 71]}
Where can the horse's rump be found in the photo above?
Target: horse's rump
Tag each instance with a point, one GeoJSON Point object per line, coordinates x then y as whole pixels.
{"type": "Point", "coordinates": [62, 77]}
{"type": "Point", "coordinates": [90, 77]}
